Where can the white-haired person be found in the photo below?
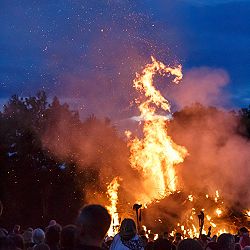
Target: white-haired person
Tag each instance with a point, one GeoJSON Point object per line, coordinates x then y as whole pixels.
{"type": "Point", "coordinates": [38, 238]}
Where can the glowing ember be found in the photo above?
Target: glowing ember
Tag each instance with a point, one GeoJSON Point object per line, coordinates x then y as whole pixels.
{"type": "Point", "coordinates": [156, 154]}
{"type": "Point", "coordinates": [112, 193]}
{"type": "Point", "coordinates": [190, 197]}
{"type": "Point", "coordinates": [217, 196]}
{"type": "Point", "coordinates": [156, 236]}
{"type": "Point", "coordinates": [218, 211]}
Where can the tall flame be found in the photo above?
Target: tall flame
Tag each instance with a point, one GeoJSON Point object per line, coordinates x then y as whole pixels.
{"type": "Point", "coordinates": [112, 193]}
{"type": "Point", "coordinates": [156, 154]}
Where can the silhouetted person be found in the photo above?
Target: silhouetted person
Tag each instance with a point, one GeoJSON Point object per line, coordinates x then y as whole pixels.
{"type": "Point", "coordinates": [127, 238]}
{"type": "Point", "coordinates": [212, 246]}
{"type": "Point", "coordinates": [38, 236]}
{"type": "Point", "coordinates": [52, 237]}
{"type": "Point", "coordinates": [162, 244]}
{"type": "Point", "coordinates": [41, 246]}
{"type": "Point", "coordinates": [189, 244]}
{"type": "Point", "coordinates": [177, 239]}
{"type": "Point", "coordinates": [68, 237]}
{"type": "Point", "coordinates": [244, 237]}
{"type": "Point", "coordinates": [150, 246]}
{"type": "Point", "coordinates": [226, 242]}
{"type": "Point", "coordinates": [93, 223]}
{"type": "Point", "coordinates": [165, 235]}
{"type": "Point", "coordinates": [27, 237]}
{"type": "Point", "coordinates": [7, 244]}
{"type": "Point", "coordinates": [144, 240]}
{"type": "Point", "coordinates": [18, 240]}
{"type": "Point", "coordinates": [16, 229]}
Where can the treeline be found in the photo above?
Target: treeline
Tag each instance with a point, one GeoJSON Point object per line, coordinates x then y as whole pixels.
{"type": "Point", "coordinates": [49, 157]}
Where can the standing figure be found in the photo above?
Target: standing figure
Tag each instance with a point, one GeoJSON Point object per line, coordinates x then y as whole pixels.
{"type": "Point", "coordinates": [127, 238]}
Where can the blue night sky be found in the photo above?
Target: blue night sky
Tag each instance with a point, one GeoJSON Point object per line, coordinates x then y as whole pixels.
{"type": "Point", "coordinates": [87, 52]}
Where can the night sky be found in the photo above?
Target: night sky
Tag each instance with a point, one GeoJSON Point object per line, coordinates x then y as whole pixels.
{"type": "Point", "coordinates": [87, 52]}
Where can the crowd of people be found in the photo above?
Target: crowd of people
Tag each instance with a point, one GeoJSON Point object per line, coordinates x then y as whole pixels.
{"type": "Point", "coordinates": [90, 233]}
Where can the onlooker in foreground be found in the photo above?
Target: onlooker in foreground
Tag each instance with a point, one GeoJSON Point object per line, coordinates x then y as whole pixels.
{"type": "Point", "coordinates": [7, 244]}
{"type": "Point", "coordinates": [52, 237]}
{"type": "Point", "coordinates": [27, 237]}
{"type": "Point", "coordinates": [38, 236]}
{"type": "Point", "coordinates": [127, 238]}
{"type": "Point", "coordinates": [161, 244]}
{"type": "Point", "coordinates": [17, 239]}
{"type": "Point", "coordinates": [212, 246]}
{"type": "Point", "coordinates": [93, 223]}
{"type": "Point", "coordinates": [17, 229]}
{"type": "Point", "coordinates": [189, 244]}
{"type": "Point", "coordinates": [177, 239]}
{"type": "Point", "coordinates": [226, 242]}
{"type": "Point", "coordinates": [244, 237]}
{"type": "Point", "coordinates": [68, 236]}
{"type": "Point", "coordinates": [41, 246]}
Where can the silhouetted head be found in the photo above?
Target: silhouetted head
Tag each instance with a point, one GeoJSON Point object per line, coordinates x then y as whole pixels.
{"type": "Point", "coordinates": [226, 242]}
{"type": "Point", "coordinates": [3, 233]}
{"type": "Point", "coordinates": [7, 244]}
{"type": "Point", "coordinates": [52, 235]}
{"type": "Point", "coordinates": [18, 240]}
{"type": "Point", "coordinates": [27, 236]}
{"type": "Point", "coordinates": [38, 236]}
{"type": "Point", "coordinates": [41, 246]}
{"type": "Point", "coordinates": [16, 229]}
{"type": "Point", "coordinates": [127, 229]}
{"type": "Point", "coordinates": [243, 231]}
{"type": "Point", "coordinates": [52, 223]}
{"type": "Point", "coordinates": [161, 244]}
{"type": "Point", "coordinates": [68, 236]}
{"type": "Point", "coordinates": [93, 223]}
{"type": "Point", "coordinates": [189, 244]}
{"type": "Point", "coordinates": [212, 246]}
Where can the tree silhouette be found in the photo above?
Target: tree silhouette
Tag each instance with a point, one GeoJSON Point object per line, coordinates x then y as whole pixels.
{"type": "Point", "coordinates": [46, 162]}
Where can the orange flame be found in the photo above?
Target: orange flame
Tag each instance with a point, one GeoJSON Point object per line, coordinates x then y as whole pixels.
{"type": "Point", "coordinates": [112, 194]}
{"type": "Point", "coordinates": [156, 154]}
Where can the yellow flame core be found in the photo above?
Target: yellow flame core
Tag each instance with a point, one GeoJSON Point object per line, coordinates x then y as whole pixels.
{"type": "Point", "coordinates": [156, 154]}
{"type": "Point", "coordinates": [112, 193]}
